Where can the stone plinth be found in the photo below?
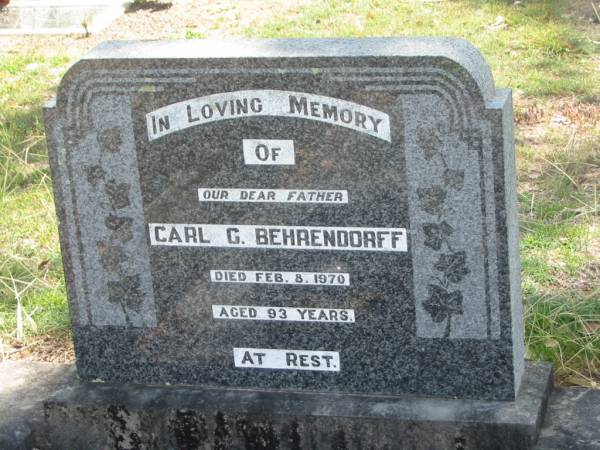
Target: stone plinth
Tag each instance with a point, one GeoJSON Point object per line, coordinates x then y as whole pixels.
{"type": "Point", "coordinates": [98, 416]}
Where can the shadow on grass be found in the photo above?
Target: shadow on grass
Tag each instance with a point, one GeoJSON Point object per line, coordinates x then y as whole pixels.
{"type": "Point", "coordinates": [147, 5]}
{"type": "Point", "coordinates": [542, 10]}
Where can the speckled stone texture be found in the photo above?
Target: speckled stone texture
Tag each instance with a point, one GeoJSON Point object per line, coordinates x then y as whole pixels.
{"type": "Point", "coordinates": [440, 319]}
{"type": "Point", "coordinates": [104, 416]}
{"type": "Point", "coordinates": [572, 421]}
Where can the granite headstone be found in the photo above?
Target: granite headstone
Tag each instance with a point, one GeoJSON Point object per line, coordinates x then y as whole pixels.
{"type": "Point", "coordinates": [308, 215]}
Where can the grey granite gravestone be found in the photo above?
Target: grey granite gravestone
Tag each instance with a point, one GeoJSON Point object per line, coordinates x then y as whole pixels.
{"type": "Point", "coordinates": [318, 216]}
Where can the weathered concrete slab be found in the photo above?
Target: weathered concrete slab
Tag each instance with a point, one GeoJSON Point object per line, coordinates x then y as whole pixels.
{"type": "Point", "coordinates": [130, 416]}
{"type": "Point", "coordinates": [23, 387]}
{"type": "Point", "coordinates": [572, 421]}
{"type": "Point", "coordinates": [572, 418]}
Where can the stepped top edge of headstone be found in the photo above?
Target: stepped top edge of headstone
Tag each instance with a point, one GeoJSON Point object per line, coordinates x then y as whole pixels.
{"type": "Point", "coordinates": [457, 50]}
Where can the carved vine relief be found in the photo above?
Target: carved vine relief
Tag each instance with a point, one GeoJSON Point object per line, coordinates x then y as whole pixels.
{"type": "Point", "coordinates": [444, 300]}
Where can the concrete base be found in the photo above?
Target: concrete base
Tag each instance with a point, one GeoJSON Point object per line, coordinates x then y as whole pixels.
{"type": "Point", "coordinates": [572, 421]}
{"type": "Point", "coordinates": [126, 417]}
{"type": "Point", "coordinates": [23, 387]}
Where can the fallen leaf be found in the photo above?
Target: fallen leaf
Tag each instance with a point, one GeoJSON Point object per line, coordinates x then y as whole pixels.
{"type": "Point", "coordinates": [575, 380]}
{"type": "Point", "coordinates": [591, 327]}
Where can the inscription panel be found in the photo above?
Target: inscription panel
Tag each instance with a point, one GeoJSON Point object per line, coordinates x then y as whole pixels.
{"type": "Point", "coordinates": [296, 231]}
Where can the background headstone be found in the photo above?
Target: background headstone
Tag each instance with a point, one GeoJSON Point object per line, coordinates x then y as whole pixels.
{"type": "Point", "coordinates": [319, 215]}
{"type": "Point", "coordinates": [58, 16]}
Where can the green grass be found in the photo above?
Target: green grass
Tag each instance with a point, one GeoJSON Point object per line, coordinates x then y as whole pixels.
{"type": "Point", "coordinates": [533, 48]}
{"type": "Point", "coordinates": [560, 251]}
{"type": "Point", "coordinates": [564, 329]}
{"type": "Point", "coordinates": [191, 34]}
{"type": "Point", "coordinates": [30, 264]}
{"type": "Point", "coordinates": [540, 48]}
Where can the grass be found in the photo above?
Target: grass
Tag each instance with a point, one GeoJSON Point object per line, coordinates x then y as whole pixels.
{"type": "Point", "coordinates": [564, 329]}
{"type": "Point", "coordinates": [191, 34]}
{"type": "Point", "coordinates": [30, 263]}
{"type": "Point", "coordinates": [560, 249]}
{"type": "Point", "coordinates": [542, 49]}
{"type": "Point", "coordinates": [531, 46]}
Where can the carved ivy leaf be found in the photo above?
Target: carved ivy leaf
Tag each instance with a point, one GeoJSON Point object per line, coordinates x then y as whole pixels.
{"type": "Point", "coordinates": [454, 178]}
{"type": "Point", "coordinates": [429, 141]}
{"type": "Point", "coordinates": [127, 292]}
{"type": "Point", "coordinates": [121, 227]}
{"type": "Point", "coordinates": [435, 234]}
{"type": "Point", "coordinates": [453, 265]}
{"type": "Point", "coordinates": [111, 256]}
{"type": "Point", "coordinates": [432, 199]}
{"type": "Point", "coordinates": [110, 140]}
{"type": "Point", "coordinates": [118, 193]}
{"type": "Point", "coordinates": [442, 304]}
{"type": "Point", "coordinates": [94, 174]}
